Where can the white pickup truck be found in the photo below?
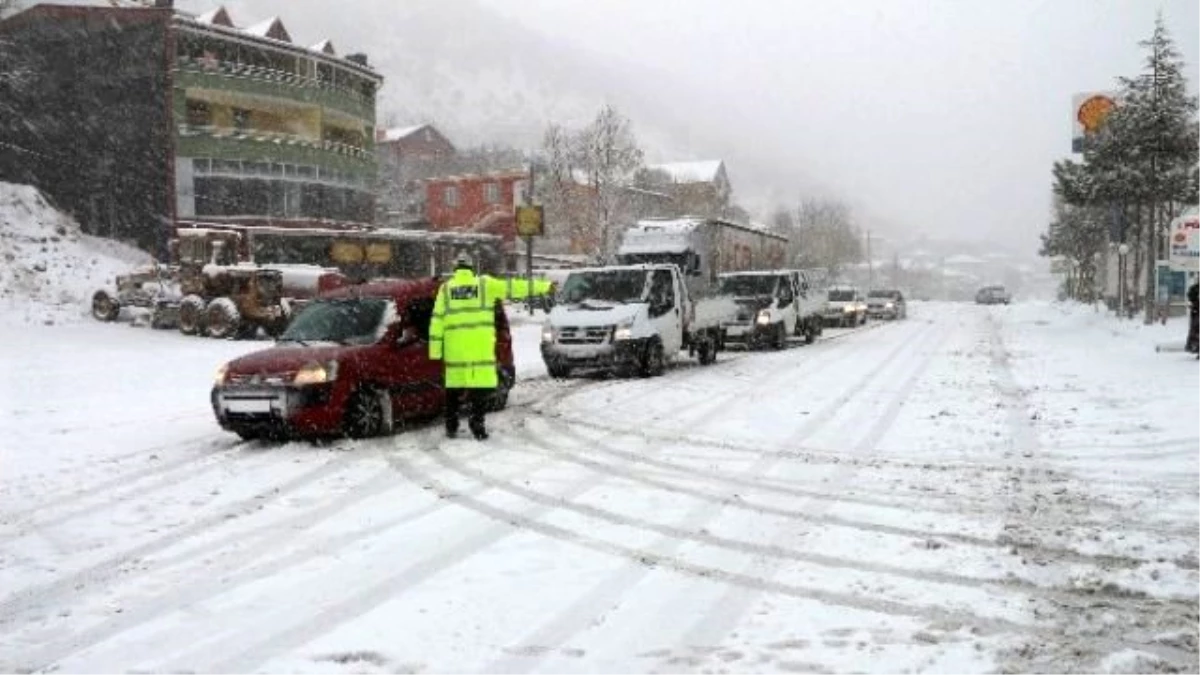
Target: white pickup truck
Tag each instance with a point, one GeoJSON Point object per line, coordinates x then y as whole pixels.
{"type": "Point", "coordinates": [772, 305]}
{"type": "Point", "coordinates": [630, 319]}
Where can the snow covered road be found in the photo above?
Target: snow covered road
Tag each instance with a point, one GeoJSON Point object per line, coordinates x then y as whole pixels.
{"type": "Point", "coordinates": [974, 489]}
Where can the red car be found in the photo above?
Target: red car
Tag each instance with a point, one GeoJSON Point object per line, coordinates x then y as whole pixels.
{"type": "Point", "coordinates": [354, 362]}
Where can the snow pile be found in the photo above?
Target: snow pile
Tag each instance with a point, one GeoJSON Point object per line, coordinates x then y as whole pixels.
{"type": "Point", "coordinates": [50, 269]}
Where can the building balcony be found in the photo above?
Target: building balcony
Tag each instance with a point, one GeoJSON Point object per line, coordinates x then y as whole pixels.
{"type": "Point", "coordinates": [258, 81]}
{"type": "Point", "coordinates": [267, 146]}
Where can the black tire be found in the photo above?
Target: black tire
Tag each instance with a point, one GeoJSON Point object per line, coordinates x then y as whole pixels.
{"type": "Point", "coordinates": [779, 337]}
{"type": "Point", "coordinates": [105, 307]}
{"type": "Point", "coordinates": [558, 371]}
{"type": "Point", "coordinates": [654, 361]}
{"type": "Point", "coordinates": [248, 435]}
{"type": "Point", "coordinates": [706, 352]}
{"type": "Point", "coordinates": [810, 335]}
{"type": "Point", "coordinates": [223, 320]}
{"type": "Point", "coordinates": [363, 416]}
{"type": "Point", "coordinates": [191, 315]}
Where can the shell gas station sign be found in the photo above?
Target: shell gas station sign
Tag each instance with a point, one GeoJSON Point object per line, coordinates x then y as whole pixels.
{"type": "Point", "coordinates": [1088, 114]}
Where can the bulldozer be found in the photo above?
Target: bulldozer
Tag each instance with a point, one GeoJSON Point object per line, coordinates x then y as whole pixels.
{"type": "Point", "coordinates": [222, 297]}
{"type": "Point", "coordinates": [154, 287]}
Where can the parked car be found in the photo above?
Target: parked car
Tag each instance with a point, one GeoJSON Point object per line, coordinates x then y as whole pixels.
{"type": "Point", "coordinates": [886, 304]}
{"type": "Point", "coordinates": [845, 307]}
{"type": "Point", "coordinates": [992, 295]}
{"type": "Point", "coordinates": [353, 362]}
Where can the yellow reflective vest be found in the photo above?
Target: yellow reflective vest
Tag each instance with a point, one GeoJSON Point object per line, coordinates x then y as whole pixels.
{"type": "Point", "coordinates": [462, 332]}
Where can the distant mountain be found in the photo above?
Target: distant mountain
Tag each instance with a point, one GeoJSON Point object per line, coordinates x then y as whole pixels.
{"type": "Point", "coordinates": [485, 78]}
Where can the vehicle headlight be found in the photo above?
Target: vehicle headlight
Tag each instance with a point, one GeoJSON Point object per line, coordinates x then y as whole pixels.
{"type": "Point", "coordinates": [848, 308]}
{"type": "Point", "coordinates": [316, 373]}
{"type": "Point", "coordinates": [890, 305]}
{"type": "Point", "coordinates": [623, 331]}
{"type": "Point", "coordinates": [222, 373]}
{"type": "Point", "coordinates": [764, 317]}
{"type": "Point", "coordinates": [547, 334]}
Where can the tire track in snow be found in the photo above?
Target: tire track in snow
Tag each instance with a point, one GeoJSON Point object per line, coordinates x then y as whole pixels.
{"type": "Point", "coordinates": [22, 602]}
{"type": "Point", "coordinates": [741, 502]}
{"type": "Point", "coordinates": [555, 632]}
{"type": "Point", "coordinates": [67, 497]}
{"type": "Point", "coordinates": [1083, 630]}
{"type": "Point", "coordinates": [238, 568]}
{"type": "Point", "coordinates": [119, 490]}
{"type": "Point", "coordinates": [363, 602]}
{"type": "Point", "coordinates": [613, 590]}
{"type": "Point", "coordinates": [250, 654]}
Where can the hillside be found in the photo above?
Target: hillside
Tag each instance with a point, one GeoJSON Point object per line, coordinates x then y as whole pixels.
{"type": "Point", "coordinates": [50, 269]}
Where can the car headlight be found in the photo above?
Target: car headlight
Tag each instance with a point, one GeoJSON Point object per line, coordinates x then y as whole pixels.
{"type": "Point", "coordinates": [547, 334]}
{"type": "Point", "coordinates": [848, 309]}
{"type": "Point", "coordinates": [623, 331]}
{"type": "Point", "coordinates": [222, 373]}
{"type": "Point", "coordinates": [763, 318]}
{"type": "Point", "coordinates": [316, 373]}
{"type": "Point", "coordinates": [890, 305]}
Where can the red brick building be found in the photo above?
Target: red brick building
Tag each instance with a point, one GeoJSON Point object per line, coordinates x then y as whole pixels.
{"type": "Point", "coordinates": [475, 203]}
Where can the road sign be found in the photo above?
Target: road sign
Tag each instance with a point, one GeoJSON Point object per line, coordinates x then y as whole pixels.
{"type": "Point", "coordinates": [1184, 241]}
{"type": "Point", "coordinates": [530, 221]}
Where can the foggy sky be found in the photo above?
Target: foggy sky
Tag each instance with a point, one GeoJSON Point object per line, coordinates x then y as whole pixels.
{"type": "Point", "coordinates": [940, 117]}
{"type": "Point", "coordinates": [936, 116]}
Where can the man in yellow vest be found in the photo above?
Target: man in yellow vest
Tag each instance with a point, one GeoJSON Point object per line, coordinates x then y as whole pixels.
{"type": "Point", "coordinates": [462, 334]}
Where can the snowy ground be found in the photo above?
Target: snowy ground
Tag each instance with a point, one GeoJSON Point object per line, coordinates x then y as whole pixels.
{"type": "Point", "coordinates": [974, 489]}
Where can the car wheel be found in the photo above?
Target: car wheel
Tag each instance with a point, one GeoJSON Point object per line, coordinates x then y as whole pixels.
{"type": "Point", "coordinates": [223, 320]}
{"type": "Point", "coordinates": [248, 435]}
{"type": "Point", "coordinates": [654, 362]}
{"type": "Point", "coordinates": [558, 371]}
{"type": "Point", "coordinates": [191, 315]}
{"type": "Point", "coordinates": [779, 338]}
{"type": "Point", "coordinates": [363, 417]}
{"type": "Point", "coordinates": [810, 336]}
{"type": "Point", "coordinates": [105, 307]}
{"type": "Point", "coordinates": [706, 352]}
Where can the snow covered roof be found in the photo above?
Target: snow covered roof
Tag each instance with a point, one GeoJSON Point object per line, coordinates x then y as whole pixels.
{"type": "Point", "coordinates": [216, 17]}
{"type": "Point", "coordinates": [325, 47]}
{"type": "Point", "coordinates": [270, 28]}
{"type": "Point", "coordinates": [705, 171]}
{"type": "Point", "coordinates": [673, 225]}
{"type": "Point", "coordinates": [400, 133]}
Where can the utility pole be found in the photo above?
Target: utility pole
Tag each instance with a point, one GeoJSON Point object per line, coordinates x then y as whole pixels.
{"type": "Point", "coordinates": [870, 264]}
{"type": "Point", "coordinates": [529, 244]}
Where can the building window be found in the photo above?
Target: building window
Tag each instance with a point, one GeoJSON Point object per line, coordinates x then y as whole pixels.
{"type": "Point", "coordinates": [241, 118]}
{"type": "Point", "coordinates": [491, 193]}
{"type": "Point", "coordinates": [198, 113]}
{"type": "Point", "coordinates": [450, 195]}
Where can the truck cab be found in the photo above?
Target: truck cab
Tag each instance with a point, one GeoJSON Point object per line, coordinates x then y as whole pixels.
{"type": "Point", "coordinates": [767, 307]}
{"type": "Point", "coordinates": [629, 319]}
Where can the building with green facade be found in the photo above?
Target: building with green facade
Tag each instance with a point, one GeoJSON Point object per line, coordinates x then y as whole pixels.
{"type": "Point", "coordinates": [136, 120]}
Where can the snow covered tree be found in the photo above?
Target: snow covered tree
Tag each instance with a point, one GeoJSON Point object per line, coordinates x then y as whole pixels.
{"type": "Point", "coordinates": [607, 153]}
{"type": "Point", "coordinates": [1079, 234]}
{"type": "Point", "coordinates": [585, 185]}
{"type": "Point", "coordinates": [823, 235]}
{"type": "Point", "coordinates": [1141, 165]}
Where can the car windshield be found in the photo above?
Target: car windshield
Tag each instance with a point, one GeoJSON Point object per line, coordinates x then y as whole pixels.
{"type": "Point", "coordinates": [745, 285]}
{"type": "Point", "coordinates": [348, 321]}
{"type": "Point", "coordinates": [611, 286]}
{"type": "Point", "coordinates": [841, 295]}
{"type": "Point", "coordinates": [883, 294]}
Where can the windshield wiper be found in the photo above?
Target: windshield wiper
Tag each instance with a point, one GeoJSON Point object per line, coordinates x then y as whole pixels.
{"type": "Point", "coordinates": [298, 341]}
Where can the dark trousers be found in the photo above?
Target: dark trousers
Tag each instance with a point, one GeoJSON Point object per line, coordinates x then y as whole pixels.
{"type": "Point", "coordinates": [476, 408]}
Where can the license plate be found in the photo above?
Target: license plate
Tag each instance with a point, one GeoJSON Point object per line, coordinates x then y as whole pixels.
{"type": "Point", "coordinates": [248, 405]}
